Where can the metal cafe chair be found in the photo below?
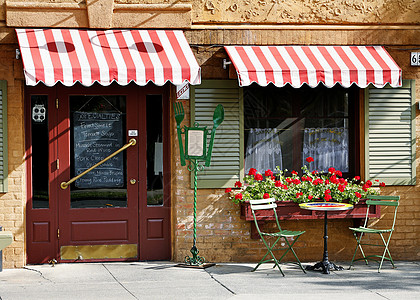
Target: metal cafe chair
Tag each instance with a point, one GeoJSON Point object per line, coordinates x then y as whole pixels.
{"type": "Point", "coordinates": [270, 204]}
{"type": "Point", "coordinates": [384, 233]}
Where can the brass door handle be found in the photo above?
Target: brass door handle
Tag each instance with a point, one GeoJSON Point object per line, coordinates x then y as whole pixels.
{"type": "Point", "coordinates": [133, 181]}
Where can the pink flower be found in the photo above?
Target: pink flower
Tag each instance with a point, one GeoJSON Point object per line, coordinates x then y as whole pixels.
{"type": "Point", "coordinates": [258, 177]}
{"type": "Point", "coordinates": [228, 190]}
{"type": "Point", "coordinates": [238, 196]}
{"type": "Point", "coordinates": [252, 171]}
{"type": "Point", "coordinates": [238, 184]}
{"type": "Point", "coordinates": [266, 195]}
{"type": "Point", "coordinates": [268, 173]}
{"type": "Point", "coordinates": [310, 159]}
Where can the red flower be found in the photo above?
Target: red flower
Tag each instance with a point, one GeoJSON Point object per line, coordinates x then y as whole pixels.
{"type": "Point", "coordinates": [296, 181]}
{"type": "Point", "coordinates": [273, 177]}
{"type": "Point", "coordinates": [356, 177]}
{"type": "Point", "coordinates": [238, 184]}
{"type": "Point", "coordinates": [268, 173]}
{"type": "Point", "coordinates": [310, 159]}
{"type": "Point", "coordinates": [341, 180]}
{"type": "Point", "coordinates": [358, 195]}
{"type": "Point", "coordinates": [228, 190]}
{"type": "Point", "coordinates": [331, 170]}
{"type": "Point", "coordinates": [298, 195]}
{"type": "Point", "coordinates": [258, 177]}
{"type": "Point", "coordinates": [294, 173]}
{"type": "Point", "coordinates": [369, 183]}
{"type": "Point", "coordinates": [327, 182]}
{"type": "Point", "coordinates": [338, 173]}
{"type": "Point", "coordinates": [382, 184]}
{"type": "Point", "coordinates": [341, 187]}
{"type": "Point", "coordinates": [252, 171]}
{"type": "Point", "coordinates": [278, 183]}
{"type": "Point", "coordinates": [327, 197]}
{"type": "Point", "coordinates": [238, 196]}
{"type": "Point", "coordinates": [266, 195]}
{"type": "Point", "coordinates": [310, 197]}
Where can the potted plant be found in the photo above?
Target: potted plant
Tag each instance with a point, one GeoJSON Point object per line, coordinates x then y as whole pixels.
{"type": "Point", "coordinates": [291, 190]}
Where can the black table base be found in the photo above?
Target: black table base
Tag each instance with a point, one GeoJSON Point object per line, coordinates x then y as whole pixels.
{"type": "Point", "coordinates": [325, 265]}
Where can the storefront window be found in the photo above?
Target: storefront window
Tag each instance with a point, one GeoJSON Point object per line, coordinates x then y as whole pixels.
{"type": "Point", "coordinates": [154, 150]}
{"type": "Point", "coordinates": [284, 126]}
{"type": "Point", "coordinates": [39, 134]}
{"type": "Point", "coordinates": [97, 130]}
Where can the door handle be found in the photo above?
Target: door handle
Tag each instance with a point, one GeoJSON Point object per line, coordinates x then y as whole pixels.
{"type": "Point", "coordinates": [133, 181]}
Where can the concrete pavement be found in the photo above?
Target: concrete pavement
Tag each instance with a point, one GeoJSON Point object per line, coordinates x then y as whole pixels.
{"type": "Point", "coordinates": [163, 280]}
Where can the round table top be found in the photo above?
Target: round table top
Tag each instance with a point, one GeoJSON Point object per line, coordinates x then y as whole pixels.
{"type": "Point", "coordinates": [326, 206]}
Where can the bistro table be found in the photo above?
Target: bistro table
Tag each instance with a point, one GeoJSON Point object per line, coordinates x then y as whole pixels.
{"type": "Point", "coordinates": [325, 264]}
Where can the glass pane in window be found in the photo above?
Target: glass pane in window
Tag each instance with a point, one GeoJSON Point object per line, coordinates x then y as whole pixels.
{"type": "Point", "coordinates": [154, 150]}
{"type": "Point", "coordinates": [39, 123]}
{"type": "Point", "coordinates": [97, 130]}
{"type": "Point", "coordinates": [283, 126]}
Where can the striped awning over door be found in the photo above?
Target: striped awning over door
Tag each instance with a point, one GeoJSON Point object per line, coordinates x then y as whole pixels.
{"type": "Point", "coordinates": [296, 65]}
{"type": "Point", "coordinates": [88, 56]}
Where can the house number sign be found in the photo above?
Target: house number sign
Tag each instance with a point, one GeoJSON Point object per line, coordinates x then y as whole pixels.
{"type": "Point", "coordinates": [415, 58]}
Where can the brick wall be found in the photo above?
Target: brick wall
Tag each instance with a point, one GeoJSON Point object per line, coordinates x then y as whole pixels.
{"type": "Point", "coordinates": [221, 234]}
{"type": "Point", "coordinates": [12, 203]}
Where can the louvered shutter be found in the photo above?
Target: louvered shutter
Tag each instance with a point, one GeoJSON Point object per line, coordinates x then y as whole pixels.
{"type": "Point", "coordinates": [227, 159]}
{"type": "Point", "coordinates": [3, 136]}
{"type": "Point", "coordinates": [390, 134]}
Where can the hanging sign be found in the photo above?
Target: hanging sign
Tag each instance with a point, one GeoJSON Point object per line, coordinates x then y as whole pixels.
{"type": "Point", "coordinates": [183, 91]}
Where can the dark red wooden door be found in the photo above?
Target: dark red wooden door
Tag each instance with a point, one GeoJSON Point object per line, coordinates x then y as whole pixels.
{"type": "Point", "coordinates": [121, 209]}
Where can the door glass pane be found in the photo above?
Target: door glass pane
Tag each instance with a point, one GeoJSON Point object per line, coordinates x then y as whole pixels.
{"type": "Point", "coordinates": [154, 150]}
{"type": "Point", "coordinates": [97, 130]}
{"type": "Point", "coordinates": [39, 122]}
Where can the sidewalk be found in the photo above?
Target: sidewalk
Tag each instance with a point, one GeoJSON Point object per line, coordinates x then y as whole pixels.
{"type": "Point", "coordinates": [163, 280]}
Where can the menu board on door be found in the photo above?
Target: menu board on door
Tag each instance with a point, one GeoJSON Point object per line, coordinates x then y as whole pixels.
{"type": "Point", "coordinates": [96, 135]}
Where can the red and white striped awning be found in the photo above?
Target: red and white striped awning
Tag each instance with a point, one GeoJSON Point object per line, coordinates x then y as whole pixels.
{"type": "Point", "coordinates": [296, 65]}
{"type": "Point", "coordinates": [87, 56]}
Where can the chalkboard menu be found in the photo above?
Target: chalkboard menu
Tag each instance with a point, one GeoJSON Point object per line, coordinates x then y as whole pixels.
{"type": "Point", "coordinates": [96, 135]}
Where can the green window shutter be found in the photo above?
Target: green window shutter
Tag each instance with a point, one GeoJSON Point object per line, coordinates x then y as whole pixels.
{"type": "Point", "coordinates": [390, 134]}
{"type": "Point", "coordinates": [227, 158]}
{"type": "Point", "coordinates": [3, 137]}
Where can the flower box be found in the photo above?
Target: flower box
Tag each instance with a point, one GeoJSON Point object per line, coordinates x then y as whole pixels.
{"type": "Point", "coordinates": [288, 210]}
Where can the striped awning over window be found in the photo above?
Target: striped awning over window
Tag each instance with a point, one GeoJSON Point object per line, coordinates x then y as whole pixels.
{"type": "Point", "coordinates": [296, 65]}
{"type": "Point", "coordinates": [88, 56]}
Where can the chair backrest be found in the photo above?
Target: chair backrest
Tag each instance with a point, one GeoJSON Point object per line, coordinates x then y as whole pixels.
{"type": "Point", "coordinates": [392, 201]}
{"type": "Point", "coordinates": [264, 204]}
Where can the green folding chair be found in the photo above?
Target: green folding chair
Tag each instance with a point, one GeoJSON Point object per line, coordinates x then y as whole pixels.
{"type": "Point", "coordinates": [360, 232]}
{"type": "Point", "coordinates": [270, 204]}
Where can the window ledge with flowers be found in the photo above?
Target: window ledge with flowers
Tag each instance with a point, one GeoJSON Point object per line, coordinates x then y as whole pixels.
{"type": "Point", "coordinates": [313, 186]}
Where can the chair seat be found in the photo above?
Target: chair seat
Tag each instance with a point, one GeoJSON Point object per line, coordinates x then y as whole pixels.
{"type": "Point", "coordinates": [370, 230]}
{"type": "Point", "coordinates": [285, 233]}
